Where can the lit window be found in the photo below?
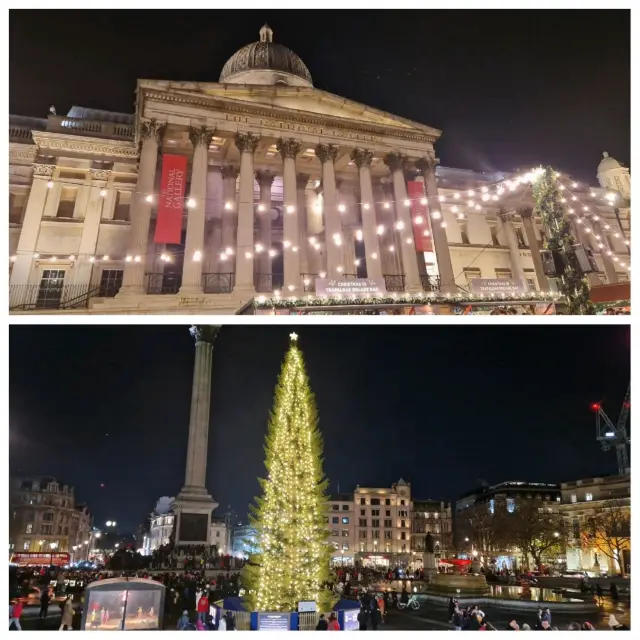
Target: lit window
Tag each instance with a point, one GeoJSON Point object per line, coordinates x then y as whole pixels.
{"type": "Point", "coordinates": [492, 506]}
{"type": "Point", "coordinates": [345, 520]}
{"type": "Point", "coordinates": [345, 546]}
{"type": "Point", "coordinates": [574, 497]}
{"type": "Point", "coordinates": [27, 545]}
{"type": "Point", "coordinates": [334, 532]}
{"type": "Point", "coordinates": [29, 528]}
{"type": "Point", "coordinates": [335, 520]}
{"type": "Point", "coordinates": [588, 496]}
{"type": "Point", "coordinates": [511, 505]}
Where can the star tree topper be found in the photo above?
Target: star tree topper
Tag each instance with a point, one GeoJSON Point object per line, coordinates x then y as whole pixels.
{"type": "Point", "coordinates": [293, 336]}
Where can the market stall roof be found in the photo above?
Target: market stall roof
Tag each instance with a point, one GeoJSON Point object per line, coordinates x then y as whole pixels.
{"type": "Point", "coordinates": [129, 583]}
{"type": "Point", "coordinates": [459, 562]}
{"type": "Point", "coordinates": [621, 291]}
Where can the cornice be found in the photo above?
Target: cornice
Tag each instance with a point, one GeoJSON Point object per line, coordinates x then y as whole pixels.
{"type": "Point", "coordinates": [273, 115]}
{"type": "Point", "coordinates": [81, 144]}
{"type": "Point", "coordinates": [25, 152]}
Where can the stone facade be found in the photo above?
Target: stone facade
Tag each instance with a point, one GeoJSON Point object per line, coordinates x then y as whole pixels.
{"type": "Point", "coordinates": [84, 196]}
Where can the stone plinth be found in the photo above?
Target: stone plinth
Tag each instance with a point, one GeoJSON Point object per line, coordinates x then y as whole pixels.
{"type": "Point", "coordinates": [453, 584]}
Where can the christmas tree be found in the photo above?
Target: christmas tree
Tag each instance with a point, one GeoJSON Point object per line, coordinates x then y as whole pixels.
{"type": "Point", "coordinates": [292, 564]}
{"type": "Point", "coordinates": [560, 241]}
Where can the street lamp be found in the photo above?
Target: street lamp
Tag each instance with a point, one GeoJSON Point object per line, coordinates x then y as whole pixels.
{"type": "Point", "coordinates": [53, 545]}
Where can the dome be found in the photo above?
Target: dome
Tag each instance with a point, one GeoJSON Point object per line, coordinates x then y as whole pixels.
{"type": "Point", "coordinates": [266, 62]}
{"type": "Point", "coordinates": [607, 163]}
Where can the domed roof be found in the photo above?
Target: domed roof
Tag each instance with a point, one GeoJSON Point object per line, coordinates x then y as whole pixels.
{"type": "Point", "coordinates": [265, 55]}
{"type": "Point", "coordinates": [607, 163]}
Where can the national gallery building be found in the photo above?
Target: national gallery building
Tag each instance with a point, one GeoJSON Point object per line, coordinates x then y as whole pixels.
{"type": "Point", "coordinates": [262, 193]}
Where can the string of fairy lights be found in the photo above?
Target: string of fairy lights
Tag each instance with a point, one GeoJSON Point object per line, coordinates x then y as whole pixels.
{"type": "Point", "coordinates": [581, 206]}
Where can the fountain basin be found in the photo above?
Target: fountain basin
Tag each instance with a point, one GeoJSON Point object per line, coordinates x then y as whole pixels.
{"type": "Point", "coordinates": [453, 584]}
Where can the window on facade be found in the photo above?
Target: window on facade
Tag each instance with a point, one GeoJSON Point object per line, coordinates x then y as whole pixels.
{"type": "Point", "coordinates": [110, 282]}
{"type": "Point", "coordinates": [492, 506]}
{"type": "Point", "coordinates": [363, 547]}
{"type": "Point", "coordinates": [363, 512]}
{"type": "Point", "coordinates": [47, 517]}
{"type": "Point", "coordinates": [363, 501]}
{"type": "Point", "coordinates": [50, 291]}
{"type": "Point", "coordinates": [387, 547]}
{"type": "Point", "coordinates": [375, 501]}
{"type": "Point", "coordinates": [46, 529]}
{"type": "Point", "coordinates": [345, 546]}
{"type": "Point", "coordinates": [362, 522]}
{"type": "Point", "coordinates": [123, 203]}
{"type": "Point", "coordinates": [403, 523]}
{"type": "Point", "coordinates": [520, 237]}
{"type": "Point", "coordinates": [464, 233]}
{"type": "Point", "coordinates": [335, 545]}
{"type": "Point", "coordinates": [345, 520]}
{"type": "Point", "coordinates": [345, 507]}
{"type": "Point", "coordinates": [345, 533]}
{"type": "Point", "coordinates": [334, 533]}
{"type": "Point", "coordinates": [362, 533]}
{"type": "Point", "coordinates": [588, 496]}
{"type": "Point", "coordinates": [67, 202]}
{"type": "Point", "coordinates": [504, 274]}
{"type": "Point", "coordinates": [17, 203]}
{"type": "Point", "coordinates": [29, 528]}
{"type": "Point", "coordinates": [531, 280]}
{"type": "Point", "coordinates": [403, 536]}
{"type": "Point", "coordinates": [557, 498]}
{"type": "Point", "coordinates": [387, 535]}
{"type": "Point", "coordinates": [375, 512]}
{"type": "Point", "coordinates": [335, 520]}
{"type": "Point", "coordinates": [387, 512]}
{"type": "Point", "coordinates": [375, 523]}
{"type": "Point", "coordinates": [402, 503]}
{"type": "Point", "coordinates": [375, 533]}
{"type": "Point", "coordinates": [335, 507]}
{"type": "Point", "coordinates": [471, 274]}
{"type": "Point", "coordinates": [387, 501]}
{"type": "Point", "coordinates": [26, 546]}
{"type": "Point", "coordinates": [574, 497]}
{"type": "Point", "coordinates": [388, 524]}
{"type": "Point", "coordinates": [511, 505]}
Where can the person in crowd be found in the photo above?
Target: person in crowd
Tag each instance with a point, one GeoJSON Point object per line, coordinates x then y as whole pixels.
{"type": "Point", "coordinates": [375, 615]}
{"type": "Point", "coordinates": [457, 619]}
{"type": "Point", "coordinates": [546, 615]}
{"type": "Point", "coordinates": [526, 627]}
{"type": "Point", "coordinates": [334, 625]}
{"type": "Point", "coordinates": [363, 619]}
{"type": "Point", "coordinates": [546, 626]}
{"type": "Point", "coordinates": [614, 592]}
{"type": "Point", "coordinates": [184, 621]}
{"type": "Point", "coordinates": [574, 626]}
{"type": "Point", "coordinates": [513, 626]}
{"type": "Point", "coordinates": [587, 626]}
{"type": "Point", "coordinates": [67, 614]}
{"type": "Point", "coordinates": [615, 625]}
{"type": "Point", "coordinates": [230, 620]}
{"type": "Point", "coordinates": [15, 611]}
{"type": "Point", "coordinates": [200, 625]}
{"type": "Point", "coordinates": [451, 608]}
{"type": "Point", "coordinates": [203, 607]}
{"type": "Point", "coordinates": [45, 598]}
{"type": "Point", "coordinates": [322, 623]}
{"type": "Point", "coordinates": [599, 594]}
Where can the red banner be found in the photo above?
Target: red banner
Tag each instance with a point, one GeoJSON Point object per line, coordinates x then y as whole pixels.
{"type": "Point", "coordinates": [419, 211]}
{"type": "Point", "coordinates": [171, 203]}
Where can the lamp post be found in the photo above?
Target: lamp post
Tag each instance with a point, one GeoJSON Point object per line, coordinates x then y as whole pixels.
{"type": "Point", "coordinates": [53, 546]}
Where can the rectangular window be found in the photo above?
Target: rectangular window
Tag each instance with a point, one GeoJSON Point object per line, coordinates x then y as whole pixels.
{"type": "Point", "coordinates": [403, 536]}
{"type": "Point", "coordinates": [387, 535]}
{"type": "Point", "coordinates": [67, 202]}
{"type": "Point", "coordinates": [387, 547]}
{"type": "Point", "coordinates": [522, 244]}
{"type": "Point", "coordinates": [387, 512]}
{"type": "Point", "coordinates": [334, 533]}
{"type": "Point", "coordinates": [363, 512]}
{"type": "Point", "coordinates": [362, 533]}
{"type": "Point", "coordinates": [29, 528]}
{"type": "Point", "coordinates": [588, 496]}
{"type": "Point", "coordinates": [17, 203]}
{"type": "Point", "coordinates": [345, 533]}
{"type": "Point", "coordinates": [123, 204]}
{"type": "Point", "coordinates": [375, 501]}
{"type": "Point", "coordinates": [375, 512]}
{"type": "Point", "coordinates": [504, 274]}
{"type": "Point", "coordinates": [492, 506]}
{"type": "Point", "coordinates": [464, 233]}
{"type": "Point", "coordinates": [335, 507]}
{"type": "Point", "coordinates": [387, 501]}
{"type": "Point", "coordinates": [47, 517]}
{"type": "Point", "coordinates": [110, 282]}
{"type": "Point", "coordinates": [336, 546]}
{"type": "Point", "coordinates": [375, 523]}
{"type": "Point", "coordinates": [402, 503]}
{"type": "Point", "coordinates": [363, 501]}
{"type": "Point", "coordinates": [375, 533]}
{"type": "Point", "coordinates": [472, 273]}
{"type": "Point", "coordinates": [574, 497]}
{"type": "Point", "coordinates": [363, 547]}
{"type": "Point", "coordinates": [27, 545]}
{"type": "Point", "coordinates": [362, 522]}
{"type": "Point", "coordinates": [388, 524]}
{"type": "Point", "coordinates": [345, 520]}
{"type": "Point", "coordinates": [403, 523]}
{"type": "Point", "coordinates": [345, 507]}
{"type": "Point", "coordinates": [50, 291]}
{"type": "Point", "coordinates": [46, 529]}
{"type": "Point", "coordinates": [345, 546]}
{"type": "Point", "coordinates": [335, 520]}
{"type": "Point", "coordinates": [511, 505]}
{"type": "Point", "coordinates": [495, 241]}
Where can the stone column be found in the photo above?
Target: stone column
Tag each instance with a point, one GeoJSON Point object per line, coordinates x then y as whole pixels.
{"type": "Point", "coordinates": [303, 234]}
{"type": "Point", "coordinates": [289, 149]}
{"type": "Point", "coordinates": [593, 278]}
{"type": "Point", "coordinates": [213, 223]}
{"type": "Point", "coordinates": [229, 216]}
{"type": "Point", "coordinates": [514, 249]}
{"type": "Point", "coordinates": [373, 259]}
{"type": "Point", "coordinates": [246, 143]}
{"type": "Point", "coordinates": [327, 153]}
{"type": "Point", "coordinates": [194, 242]}
{"type": "Point", "coordinates": [28, 240]}
{"type": "Point", "coordinates": [609, 265]}
{"type": "Point", "coordinates": [151, 133]}
{"type": "Point", "coordinates": [194, 499]}
{"type": "Point", "coordinates": [427, 165]}
{"type": "Point", "coordinates": [263, 260]}
{"type": "Point", "coordinates": [396, 163]}
{"type": "Point", "coordinates": [534, 247]}
{"type": "Point", "coordinates": [91, 227]}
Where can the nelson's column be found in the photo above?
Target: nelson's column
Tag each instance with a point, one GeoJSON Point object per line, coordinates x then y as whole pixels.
{"type": "Point", "coordinates": [193, 505]}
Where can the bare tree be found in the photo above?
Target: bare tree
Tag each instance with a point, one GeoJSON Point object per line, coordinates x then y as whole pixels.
{"type": "Point", "coordinates": [537, 530]}
{"type": "Point", "coordinates": [609, 530]}
{"type": "Point", "coordinates": [488, 532]}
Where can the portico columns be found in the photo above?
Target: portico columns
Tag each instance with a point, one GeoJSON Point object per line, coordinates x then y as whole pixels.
{"type": "Point", "coordinates": [534, 246]}
{"type": "Point", "coordinates": [609, 266]}
{"type": "Point", "coordinates": [246, 143]}
{"type": "Point", "coordinates": [514, 250]}
{"type": "Point", "coordinates": [593, 278]}
{"type": "Point", "coordinates": [263, 260]}
{"type": "Point", "coordinates": [373, 259]}
{"type": "Point", "coordinates": [151, 133]}
{"type": "Point", "coordinates": [396, 163]}
{"type": "Point", "coordinates": [327, 153]}
{"type": "Point", "coordinates": [194, 243]}
{"type": "Point", "coordinates": [301, 201]}
{"type": "Point", "coordinates": [27, 243]}
{"type": "Point", "coordinates": [428, 165]}
{"type": "Point", "coordinates": [229, 217]}
{"type": "Point", "coordinates": [289, 149]}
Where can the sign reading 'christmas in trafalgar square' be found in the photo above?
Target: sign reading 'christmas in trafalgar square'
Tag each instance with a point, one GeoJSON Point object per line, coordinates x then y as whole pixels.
{"type": "Point", "coordinates": [487, 286]}
{"type": "Point", "coordinates": [360, 287]}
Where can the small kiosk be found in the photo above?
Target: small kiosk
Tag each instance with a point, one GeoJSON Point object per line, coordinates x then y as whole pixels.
{"type": "Point", "coordinates": [123, 604]}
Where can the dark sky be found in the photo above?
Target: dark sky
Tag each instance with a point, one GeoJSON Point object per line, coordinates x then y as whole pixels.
{"type": "Point", "coordinates": [441, 406]}
{"type": "Point", "coordinates": [509, 88]}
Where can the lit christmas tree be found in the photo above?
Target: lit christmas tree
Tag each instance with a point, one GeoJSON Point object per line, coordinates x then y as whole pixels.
{"type": "Point", "coordinates": [292, 564]}
{"type": "Point", "coordinates": [560, 241]}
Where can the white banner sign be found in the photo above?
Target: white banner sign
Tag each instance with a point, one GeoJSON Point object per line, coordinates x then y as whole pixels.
{"type": "Point", "coordinates": [359, 287]}
{"type": "Point", "coordinates": [487, 286]}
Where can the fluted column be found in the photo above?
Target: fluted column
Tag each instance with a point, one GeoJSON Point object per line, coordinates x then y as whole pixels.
{"type": "Point", "coordinates": [42, 174]}
{"type": "Point", "coordinates": [327, 154]}
{"type": "Point", "coordinates": [303, 234]}
{"type": "Point", "coordinates": [289, 149]}
{"type": "Point", "coordinates": [229, 216]}
{"type": "Point", "coordinates": [396, 163]}
{"type": "Point", "coordinates": [428, 165]}
{"type": "Point", "coordinates": [514, 250]}
{"type": "Point", "coordinates": [534, 247]}
{"type": "Point", "coordinates": [246, 143]}
{"type": "Point", "coordinates": [263, 260]}
{"type": "Point", "coordinates": [373, 259]}
{"type": "Point", "coordinates": [609, 265]}
{"type": "Point", "coordinates": [194, 243]}
{"type": "Point", "coordinates": [151, 133]}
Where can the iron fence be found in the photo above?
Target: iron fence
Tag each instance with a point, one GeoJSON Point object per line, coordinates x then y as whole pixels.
{"type": "Point", "coordinates": [309, 282]}
{"type": "Point", "coordinates": [394, 282]}
{"type": "Point", "coordinates": [218, 282]}
{"type": "Point", "coordinates": [54, 296]}
{"type": "Point", "coordinates": [163, 283]}
{"type": "Point", "coordinates": [430, 283]}
{"type": "Point", "coordinates": [267, 282]}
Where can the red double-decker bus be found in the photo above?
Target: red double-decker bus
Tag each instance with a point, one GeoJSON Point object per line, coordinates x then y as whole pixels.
{"type": "Point", "coordinates": [42, 559]}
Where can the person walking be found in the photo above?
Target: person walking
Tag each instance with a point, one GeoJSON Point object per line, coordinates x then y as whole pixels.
{"type": "Point", "coordinates": [15, 611]}
{"type": "Point", "coordinates": [614, 592]}
{"type": "Point", "coordinates": [376, 617]}
{"type": "Point", "coordinates": [184, 621]}
{"type": "Point", "coordinates": [203, 607]}
{"type": "Point", "coordinates": [457, 619]}
{"type": "Point", "coordinates": [334, 625]}
{"type": "Point", "coordinates": [363, 619]}
{"type": "Point", "coordinates": [44, 603]}
{"type": "Point", "coordinates": [599, 594]}
{"type": "Point", "coordinates": [67, 615]}
{"type": "Point", "coordinates": [322, 623]}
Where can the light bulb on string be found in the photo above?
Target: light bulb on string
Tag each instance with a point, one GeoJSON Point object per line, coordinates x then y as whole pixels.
{"type": "Point", "coordinates": [436, 215]}
{"type": "Point", "coordinates": [423, 201]}
{"type": "Point", "coordinates": [386, 205]}
{"type": "Point", "coordinates": [471, 193]}
{"type": "Point", "coordinates": [471, 203]}
{"type": "Point", "coordinates": [366, 206]}
{"type": "Point", "coordinates": [191, 203]}
{"type": "Point", "coordinates": [392, 248]}
{"type": "Point", "coordinates": [273, 253]}
{"type": "Point", "coordinates": [261, 207]}
{"type": "Point", "coordinates": [359, 235]}
{"type": "Point", "coordinates": [456, 195]}
{"type": "Point", "coordinates": [407, 202]}
{"type": "Point", "coordinates": [418, 220]}
{"type": "Point", "coordinates": [441, 198]}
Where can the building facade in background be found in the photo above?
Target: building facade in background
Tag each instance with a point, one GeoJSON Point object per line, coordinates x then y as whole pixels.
{"type": "Point", "coordinates": [243, 540]}
{"type": "Point", "coordinates": [432, 517]}
{"type": "Point", "coordinates": [45, 519]}
{"type": "Point", "coordinates": [212, 195]}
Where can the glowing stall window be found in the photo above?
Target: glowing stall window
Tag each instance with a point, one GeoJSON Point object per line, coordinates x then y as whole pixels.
{"type": "Point", "coordinates": [511, 505]}
{"type": "Point", "coordinates": [492, 506]}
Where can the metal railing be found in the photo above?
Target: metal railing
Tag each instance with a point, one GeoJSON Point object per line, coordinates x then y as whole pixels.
{"type": "Point", "coordinates": [218, 282]}
{"type": "Point", "coordinates": [32, 297]}
{"type": "Point", "coordinates": [267, 282]}
{"type": "Point", "coordinates": [91, 127]}
{"type": "Point", "coordinates": [242, 618]}
{"type": "Point", "coordinates": [309, 282]}
{"type": "Point", "coordinates": [163, 283]}
{"type": "Point", "coordinates": [394, 282]}
{"type": "Point", "coordinates": [308, 620]}
{"type": "Point", "coordinates": [430, 283]}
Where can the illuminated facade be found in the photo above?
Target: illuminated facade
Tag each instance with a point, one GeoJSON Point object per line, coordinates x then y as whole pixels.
{"type": "Point", "coordinates": [285, 185]}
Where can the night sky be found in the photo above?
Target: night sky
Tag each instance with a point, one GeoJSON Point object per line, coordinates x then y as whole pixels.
{"type": "Point", "coordinates": [509, 88]}
{"type": "Point", "coordinates": [440, 406]}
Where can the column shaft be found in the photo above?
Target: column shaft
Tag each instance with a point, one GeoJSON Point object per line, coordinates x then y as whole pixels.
{"type": "Point", "coordinates": [593, 278]}
{"type": "Point", "coordinates": [534, 247]}
{"type": "Point", "coordinates": [332, 223]}
{"type": "Point", "coordinates": [303, 213]}
{"type": "Point", "coordinates": [514, 250]}
{"type": "Point", "coordinates": [609, 265]}
{"type": "Point", "coordinates": [263, 260]}
{"type": "Point", "coordinates": [151, 133]}
{"type": "Point", "coordinates": [291, 258]}
{"type": "Point", "coordinates": [229, 217]}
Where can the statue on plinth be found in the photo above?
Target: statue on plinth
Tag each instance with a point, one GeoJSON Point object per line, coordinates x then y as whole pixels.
{"type": "Point", "coordinates": [429, 558]}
